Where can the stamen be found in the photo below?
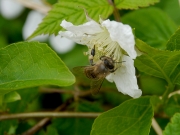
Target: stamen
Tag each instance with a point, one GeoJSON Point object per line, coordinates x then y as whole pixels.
{"type": "Point", "coordinates": [104, 45]}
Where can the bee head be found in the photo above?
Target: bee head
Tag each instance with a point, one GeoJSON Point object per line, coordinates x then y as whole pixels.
{"type": "Point", "coordinates": [108, 62]}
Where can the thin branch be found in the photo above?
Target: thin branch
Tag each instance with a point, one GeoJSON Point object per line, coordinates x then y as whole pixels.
{"type": "Point", "coordinates": [35, 6]}
{"type": "Point", "coordinates": [174, 93]}
{"type": "Point", "coordinates": [115, 12]}
{"type": "Point", "coordinates": [49, 114]}
{"type": "Point", "coordinates": [44, 121]}
{"type": "Point", "coordinates": [156, 127]}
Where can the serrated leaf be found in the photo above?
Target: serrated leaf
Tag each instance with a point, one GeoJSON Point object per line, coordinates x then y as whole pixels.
{"type": "Point", "coordinates": [158, 63]}
{"type": "Point", "coordinates": [29, 64]}
{"type": "Point", "coordinates": [72, 11]}
{"type": "Point", "coordinates": [173, 127]}
{"type": "Point", "coordinates": [134, 4]}
{"type": "Point", "coordinates": [133, 117]}
{"type": "Point", "coordinates": [151, 25]}
{"type": "Point", "coordinates": [11, 97]}
{"type": "Point", "coordinates": [174, 42]}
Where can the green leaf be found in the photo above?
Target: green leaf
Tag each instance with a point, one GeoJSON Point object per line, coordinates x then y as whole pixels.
{"type": "Point", "coordinates": [174, 41]}
{"type": "Point", "coordinates": [173, 105]}
{"type": "Point", "coordinates": [166, 6]}
{"type": "Point", "coordinates": [29, 64]}
{"type": "Point", "coordinates": [173, 127]}
{"type": "Point", "coordinates": [134, 4]}
{"type": "Point", "coordinates": [72, 11]}
{"type": "Point", "coordinates": [11, 97]}
{"type": "Point", "coordinates": [151, 25]}
{"type": "Point", "coordinates": [51, 131]}
{"type": "Point", "coordinates": [28, 96]}
{"type": "Point", "coordinates": [7, 125]}
{"type": "Point", "coordinates": [132, 117]}
{"type": "Point", "coordinates": [158, 63]}
{"type": "Point", "coordinates": [145, 83]}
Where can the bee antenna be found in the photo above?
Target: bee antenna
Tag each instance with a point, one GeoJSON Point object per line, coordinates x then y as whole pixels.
{"type": "Point", "coordinates": [120, 62]}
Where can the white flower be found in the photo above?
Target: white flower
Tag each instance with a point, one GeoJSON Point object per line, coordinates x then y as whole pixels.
{"type": "Point", "coordinates": [32, 21]}
{"type": "Point", "coordinates": [112, 39]}
{"type": "Point", "coordinates": [61, 45]}
{"type": "Point", "coordinates": [10, 9]}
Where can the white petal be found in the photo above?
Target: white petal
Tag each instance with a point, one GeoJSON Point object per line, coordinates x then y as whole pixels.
{"type": "Point", "coordinates": [90, 27]}
{"type": "Point", "coordinates": [32, 21]}
{"type": "Point", "coordinates": [125, 79]}
{"type": "Point", "coordinates": [10, 9]}
{"type": "Point", "coordinates": [123, 35]}
{"type": "Point", "coordinates": [61, 45]}
{"type": "Point", "coordinates": [82, 33]}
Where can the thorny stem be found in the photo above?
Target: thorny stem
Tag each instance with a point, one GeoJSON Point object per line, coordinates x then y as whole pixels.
{"type": "Point", "coordinates": [115, 12]}
{"type": "Point", "coordinates": [49, 114]}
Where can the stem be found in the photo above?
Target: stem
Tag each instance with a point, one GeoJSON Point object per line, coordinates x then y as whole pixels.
{"type": "Point", "coordinates": [115, 12]}
{"type": "Point", "coordinates": [44, 121]}
{"type": "Point", "coordinates": [170, 88]}
{"type": "Point", "coordinates": [35, 6]}
{"type": "Point", "coordinates": [49, 114]}
{"type": "Point", "coordinates": [156, 127]}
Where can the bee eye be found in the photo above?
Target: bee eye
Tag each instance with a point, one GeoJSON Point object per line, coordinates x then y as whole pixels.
{"type": "Point", "coordinates": [108, 64]}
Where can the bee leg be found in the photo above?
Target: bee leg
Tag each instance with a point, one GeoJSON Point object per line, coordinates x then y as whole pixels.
{"type": "Point", "coordinates": [113, 70]}
{"type": "Point", "coordinates": [91, 57]}
{"type": "Point", "coordinates": [91, 60]}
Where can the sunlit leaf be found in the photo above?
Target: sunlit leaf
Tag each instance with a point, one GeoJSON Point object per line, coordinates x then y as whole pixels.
{"type": "Point", "coordinates": [29, 64]}
{"type": "Point", "coordinates": [173, 127]}
{"type": "Point", "coordinates": [134, 4]}
{"type": "Point", "coordinates": [174, 41]}
{"type": "Point", "coordinates": [28, 96]}
{"type": "Point", "coordinates": [11, 97]}
{"type": "Point", "coordinates": [72, 11]}
{"type": "Point", "coordinates": [151, 25]}
{"type": "Point", "coordinates": [133, 117]}
{"type": "Point", "coordinates": [158, 63]}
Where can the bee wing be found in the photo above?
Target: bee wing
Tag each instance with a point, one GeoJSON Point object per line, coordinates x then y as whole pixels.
{"type": "Point", "coordinates": [77, 70]}
{"type": "Point", "coordinates": [96, 85]}
{"type": "Point", "coordinates": [79, 73]}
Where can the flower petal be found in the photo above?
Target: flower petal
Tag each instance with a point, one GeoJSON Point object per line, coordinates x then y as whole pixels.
{"type": "Point", "coordinates": [122, 34]}
{"type": "Point", "coordinates": [125, 79]}
{"type": "Point", "coordinates": [80, 32]}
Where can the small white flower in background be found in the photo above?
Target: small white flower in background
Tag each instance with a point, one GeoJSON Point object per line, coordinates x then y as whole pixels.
{"type": "Point", "coordinates": [32, 21]}
{"type": "Point", "coordinates": [61, 45]}
{"type": "Point", "coordinates": [10, 9]}
{"type": "Point", "coordinates": [112, 39]}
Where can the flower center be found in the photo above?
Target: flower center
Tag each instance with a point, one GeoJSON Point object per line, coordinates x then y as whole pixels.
{"type": "Point", "coordinates": [104, 46]}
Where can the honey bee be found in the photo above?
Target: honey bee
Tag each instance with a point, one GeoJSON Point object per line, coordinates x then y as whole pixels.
{"type": "Point", "coordinates": [98, 71]}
